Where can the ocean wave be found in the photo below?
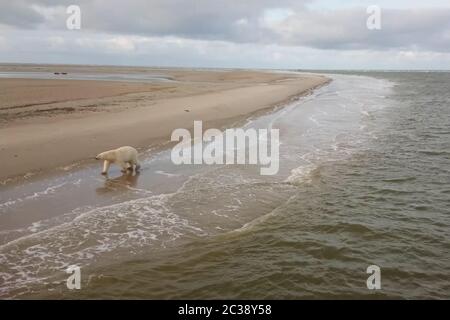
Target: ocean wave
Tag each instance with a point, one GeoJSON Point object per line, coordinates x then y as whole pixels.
{"type": "Point", "coordinates": [49, 190]}
{"type": "Point", "coordinates": [129, 226]}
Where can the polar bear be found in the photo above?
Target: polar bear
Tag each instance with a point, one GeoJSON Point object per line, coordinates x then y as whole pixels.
{"type": "Point", "coordinates": [126, 157]}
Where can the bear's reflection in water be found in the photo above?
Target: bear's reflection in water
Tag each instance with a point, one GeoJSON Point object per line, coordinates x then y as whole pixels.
{"type": "Point", "coordinates": [123, 182]}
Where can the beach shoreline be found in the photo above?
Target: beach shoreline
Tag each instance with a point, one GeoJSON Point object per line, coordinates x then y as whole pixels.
{"type": "Point", "coordinates": [79, 119]}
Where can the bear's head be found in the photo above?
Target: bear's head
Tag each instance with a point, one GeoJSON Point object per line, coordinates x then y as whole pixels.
{"type": "Point", "coordinates": [101, 156]}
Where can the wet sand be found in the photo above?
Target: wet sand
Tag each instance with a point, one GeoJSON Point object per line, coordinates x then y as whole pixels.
{"type": "Point", "coordinates": [50, 123]}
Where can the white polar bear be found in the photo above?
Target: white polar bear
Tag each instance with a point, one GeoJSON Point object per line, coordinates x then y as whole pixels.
{"type": "Point", "coordinates": [126, 157]}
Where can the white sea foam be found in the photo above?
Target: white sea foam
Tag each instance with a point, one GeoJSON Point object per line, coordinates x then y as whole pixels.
{"type": "Point", "coordinates": [35, 195]}
{"type": "Point", "coordinates": [129, 226]}
{"type": "Point", "coordinates": [301, 174]}
{"type": "Point", "coordinates": [167, 174]}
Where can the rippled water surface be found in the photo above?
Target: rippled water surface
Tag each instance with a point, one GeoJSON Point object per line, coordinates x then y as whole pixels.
{"type": "Point", "coordinates": [86, 76]}
{"type": "Point", "coordinates": [364, 179]}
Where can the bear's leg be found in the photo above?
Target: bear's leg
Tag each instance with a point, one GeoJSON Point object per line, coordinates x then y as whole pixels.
{"type": "Point", "coordinates": [124, 166]}
{"type": "Point", "coordinates": [106, 165]}
{"type": "Point", "coordinates": [135, 164]}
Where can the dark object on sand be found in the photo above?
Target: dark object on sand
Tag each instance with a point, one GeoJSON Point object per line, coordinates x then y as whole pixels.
{"type": "Point", "coordinates": [55, 72]}
{"type": "Point", "coordinates": [63, 72]}
{"type": "Point", "coordinates": [187, 110]}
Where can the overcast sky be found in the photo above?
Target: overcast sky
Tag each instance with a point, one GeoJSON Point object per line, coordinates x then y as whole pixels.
{"type": "Point", "coordinates": [306, 34]}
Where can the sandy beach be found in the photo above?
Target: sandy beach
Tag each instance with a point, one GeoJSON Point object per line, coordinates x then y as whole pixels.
{"type": "Point", "coordinates": [47, 123]}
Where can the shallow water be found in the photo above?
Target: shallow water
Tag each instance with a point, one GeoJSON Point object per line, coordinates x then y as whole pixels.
{"type": "Point", "coordinates": [364, 179]}
{"type": "Point", "coordinates": [128, 77]}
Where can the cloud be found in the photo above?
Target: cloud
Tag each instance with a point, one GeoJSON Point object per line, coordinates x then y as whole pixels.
{"type": "Point", "coordinates": [187, 31]}
{"type": "Point", "coordinates": [121, 44]}
{"type": "Point", "coordinates": [20, 14]}
{"type": "Point", "coordinates": [2, 43]}
{"type": "Point", "coordinates": [427, 29]}
{"type": "Point", "coordinates": [252, 21]}
{"type": "Point", "coordinates": [201, 19]}
{"type": "Point", "coordinates": [102, 48]}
